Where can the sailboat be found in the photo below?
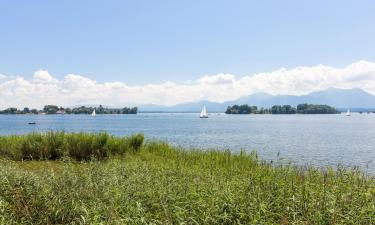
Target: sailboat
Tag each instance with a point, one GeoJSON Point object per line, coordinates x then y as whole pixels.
{"type": "Point", "coordinates": [204, 113]}
{"type": "Point", "coordinates": [348, 112]}
{"type": "Point", "coordinates": [93, 113]}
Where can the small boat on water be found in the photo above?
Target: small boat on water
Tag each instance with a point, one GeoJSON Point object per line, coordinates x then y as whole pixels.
{"type": "Point", "coordinates": [204, 113]}
{"type": "Point", "coordinates": [348, 112]}
{"type": "Point", "coordinates": [32, 123]}
{"type": "Point", "coordinates": [93, 113]}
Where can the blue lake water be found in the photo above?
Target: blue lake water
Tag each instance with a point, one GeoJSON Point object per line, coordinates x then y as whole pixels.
{"type": "Point", "coordinates": [322, 140]}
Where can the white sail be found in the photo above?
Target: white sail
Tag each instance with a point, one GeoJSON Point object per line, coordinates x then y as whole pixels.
{"type": "Point", "coordinates": [93, 113]}
{"type": "Point", "coordinates": [204, 113]}
{"type": "Point", "coordinates": [348, 112]}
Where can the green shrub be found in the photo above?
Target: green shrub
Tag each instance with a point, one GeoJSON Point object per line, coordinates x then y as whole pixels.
{"type": "Point", "coordinates": [10, 147]}
{"type": "Point", "coordinates": [84, 146]}
{"type": "Point", "coordinates": [135, 141]}
{"type": "Point", "coordinates": [78, 146]}
{"type": "Point", "coordinates": [32, 146]}
{"type": "Point", "coordinates": [98, 144]}
{"type": "Point", "coordinates": [53, 144]}
{"type": "Point", "coordinates": [117, 145]}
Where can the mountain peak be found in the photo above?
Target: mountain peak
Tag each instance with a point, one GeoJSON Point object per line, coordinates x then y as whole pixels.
{"type": "Point", "coordinates": [342, 90]}
{"type": "Point", "coordinates": [336, 97]}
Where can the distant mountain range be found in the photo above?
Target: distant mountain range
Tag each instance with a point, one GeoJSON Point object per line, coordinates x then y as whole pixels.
{"type": "Point", "coordinates": [355, 99]}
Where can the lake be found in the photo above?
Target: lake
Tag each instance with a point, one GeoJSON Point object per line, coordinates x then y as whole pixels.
{"type": "Point", "coordinates": [321, 140]}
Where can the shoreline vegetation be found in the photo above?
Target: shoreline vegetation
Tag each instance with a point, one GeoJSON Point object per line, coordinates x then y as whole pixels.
{"type": "Point", "coordinates": [53, 109]}
{"type": "Point", "coordinates": [97, 178]}
{"type": "Point", "coordinates": [283, 109]}
{"type": "Point", "coordinates": [235, 109]}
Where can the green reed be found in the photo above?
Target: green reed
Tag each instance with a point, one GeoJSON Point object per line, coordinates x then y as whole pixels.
{"type": "Point", "coordinates": [155, 183]}
{"type": "Point", "coordinates": [78, 146]}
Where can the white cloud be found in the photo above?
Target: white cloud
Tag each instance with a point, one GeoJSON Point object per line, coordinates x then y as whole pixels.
{"type": "Point", "coordinates": [75, 89]}
{"type": "Point", "coordinates": [223, 79]}
{"type": "Point", "coordinates": [42, 76]}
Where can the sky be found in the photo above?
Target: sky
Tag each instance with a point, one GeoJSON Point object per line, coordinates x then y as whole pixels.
{"type": "Point", "coordinates": [168, 52]}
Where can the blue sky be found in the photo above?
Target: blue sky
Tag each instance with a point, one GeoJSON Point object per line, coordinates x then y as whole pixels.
{"type": "Point", "coordinates": [140, 42]}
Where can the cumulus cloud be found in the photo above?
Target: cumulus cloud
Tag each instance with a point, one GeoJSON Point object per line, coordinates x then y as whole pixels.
{"type": "Point", "coordinates": [75, 89]}
{"type": "Point", "coordinates": [42, 76]}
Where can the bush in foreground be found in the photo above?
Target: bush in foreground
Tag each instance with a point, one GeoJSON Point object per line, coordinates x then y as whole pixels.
{"type": "Point", "coordinates": [160, 184]}
{"type": "Point", "coordinates": [78, 146]}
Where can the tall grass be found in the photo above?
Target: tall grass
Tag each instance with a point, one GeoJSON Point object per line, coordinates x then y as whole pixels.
{"type": "Point", "coordinates": [78, 146]}
{"type": "Point", "coordinates": [159, 184]}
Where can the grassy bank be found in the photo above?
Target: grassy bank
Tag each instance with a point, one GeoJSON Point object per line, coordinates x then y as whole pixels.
{"type": "Point", "coordinates": [154, 183]}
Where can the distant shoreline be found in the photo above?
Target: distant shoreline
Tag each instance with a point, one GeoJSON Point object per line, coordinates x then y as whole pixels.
{"type": "Point", "coordinates": [56, 110]}
{"type": "Point", "coordinates": [191, 112]}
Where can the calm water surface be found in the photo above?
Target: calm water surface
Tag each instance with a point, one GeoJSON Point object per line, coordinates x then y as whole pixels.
{"type": "Point", "coordinates": [303, 139]}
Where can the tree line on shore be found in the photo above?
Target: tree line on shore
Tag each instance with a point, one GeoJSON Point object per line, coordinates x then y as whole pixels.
{"type": "Point", "coordinates": [54, 109]}
{"type": "Point", "coordinates": [282, 109]}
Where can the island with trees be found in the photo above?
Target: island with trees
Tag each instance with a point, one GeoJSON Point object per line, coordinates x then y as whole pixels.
{"type": "Point", "coordinates": [54, 109]}
{"type": "Point", "coordinates": [282, 109]}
